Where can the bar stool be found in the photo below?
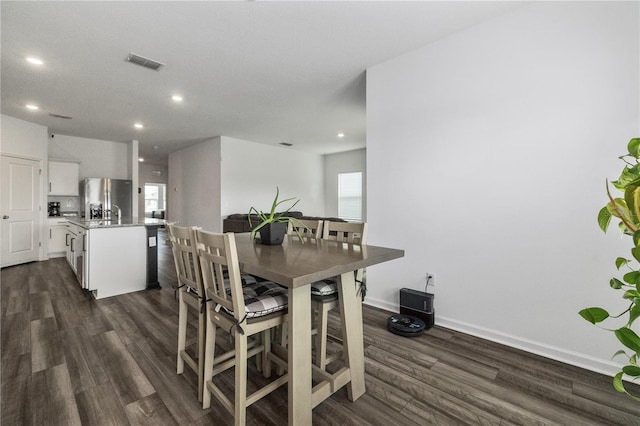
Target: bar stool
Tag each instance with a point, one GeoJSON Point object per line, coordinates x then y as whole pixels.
{"type": "Point", "coordinates": [242, 311]}
{"type": "Point", "coordinates": [191, 296]}
{"type": "Point", "coordinates": [324, 294]}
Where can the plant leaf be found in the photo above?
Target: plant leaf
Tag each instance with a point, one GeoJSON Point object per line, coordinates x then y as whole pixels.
{"type": "Point", "coordinates": [632, 197]}
{"type": "Point", "coordinates": [594, 315]}
{"type": "Point", "coordinates": [620, 352]}
{"type": "Point", "coordinates": [617, 383]}
{"type": "Point", "coordinates": [631, 294]}
{"type": "Point", "coordinates": [634, 313]}
{"type": "Point", "coordinates": [629, 338]}
{"type": "Point", "coordinates": [633, 147]}
{"type": "Point", "coordinates": [604, 218]}
{"type": "Point", "coordinates": [631, 277]}
{"type": "Point", "coordinates": [621, 261]}
{"type": "Point", "coordinates": [616, 284]}
{"type": "Point", "coordinates": [631, 370]}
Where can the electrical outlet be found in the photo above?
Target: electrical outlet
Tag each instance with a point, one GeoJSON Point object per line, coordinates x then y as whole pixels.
{"type": "Point", "coordinates": [431, 279]}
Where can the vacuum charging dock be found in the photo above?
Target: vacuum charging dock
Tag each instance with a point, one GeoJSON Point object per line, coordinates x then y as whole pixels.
{"type": "Point", "coordinates": [418, 304]}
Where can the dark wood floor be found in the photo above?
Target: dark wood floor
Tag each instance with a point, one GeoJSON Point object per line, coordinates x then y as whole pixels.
{"type": "Point", "coordinates": [71, 360]}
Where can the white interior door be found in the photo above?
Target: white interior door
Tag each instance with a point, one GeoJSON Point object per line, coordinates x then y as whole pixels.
{"type": "Point", "coordinates": [19, 210]}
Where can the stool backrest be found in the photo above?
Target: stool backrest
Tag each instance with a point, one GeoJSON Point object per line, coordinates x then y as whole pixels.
{"type": "Point", "coordinates": [305, 228]}
{"type": "Point", "coordinates": [218, 254]}
{"type": "Point", "coordinates": [348, 232]}
{"type": "Point", "coordinates": [185, 256]}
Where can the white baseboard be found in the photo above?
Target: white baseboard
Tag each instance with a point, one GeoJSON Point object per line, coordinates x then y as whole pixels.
{"type": "Point", "coordinates": [602, 366]}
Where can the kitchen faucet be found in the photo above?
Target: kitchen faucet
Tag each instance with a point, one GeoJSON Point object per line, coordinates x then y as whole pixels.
{"type": "Point", "coordinates": [118, 213]}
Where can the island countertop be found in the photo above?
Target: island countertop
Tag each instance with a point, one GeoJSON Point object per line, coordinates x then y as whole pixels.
{"type": "Point", "coordinates": [115, 223]}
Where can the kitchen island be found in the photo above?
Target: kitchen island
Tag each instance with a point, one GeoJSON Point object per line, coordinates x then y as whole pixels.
{"type": "Point", "coordinates": [109, 257]}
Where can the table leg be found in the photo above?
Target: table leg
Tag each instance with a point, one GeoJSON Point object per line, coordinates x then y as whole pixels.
{"type": "Point", "coordinates": [299, 356]}
{"type": "Point", "coordinates": [352, 339]}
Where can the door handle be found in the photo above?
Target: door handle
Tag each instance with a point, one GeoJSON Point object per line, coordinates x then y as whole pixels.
{"type": "Point", "coordinates": [5, 217]}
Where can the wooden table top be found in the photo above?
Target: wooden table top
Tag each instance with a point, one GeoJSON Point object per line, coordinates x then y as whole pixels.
{"type": "Point", "coordinates": [294, 264]}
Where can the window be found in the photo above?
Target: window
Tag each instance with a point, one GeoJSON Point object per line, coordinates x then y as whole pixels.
{"type": "Point", "coordinates": [154, 196]}
{"type": "Point", "coordinates": [350, 196]}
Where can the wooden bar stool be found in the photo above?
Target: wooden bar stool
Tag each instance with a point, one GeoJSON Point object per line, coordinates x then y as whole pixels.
{"type": "Point", "coordinates": [191, 296]}
{"type": "Point", "coordinates": [242, 311]}
{"type": "Point", "coordinates": [324, 294]}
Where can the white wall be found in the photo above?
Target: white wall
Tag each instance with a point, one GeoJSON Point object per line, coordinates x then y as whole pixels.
{"type": "Point", "coordinates": [344, 162]}
{"type": "Point", "coordinates": [193, 190]}
{"type": "Point", "coordinates": [27, 140]}
{"type": "Point", "coordinates": [251, 172]}
{"type": "Point", "coordinates": [487, 154]}
{"type": "Point", "coordinates": [97, 158]}
{"type": "Point", "coordinates": [21, 138]}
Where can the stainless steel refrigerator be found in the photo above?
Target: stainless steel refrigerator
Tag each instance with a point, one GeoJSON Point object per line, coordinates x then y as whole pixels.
{"type": "Point", "coordinates": [99, 196]}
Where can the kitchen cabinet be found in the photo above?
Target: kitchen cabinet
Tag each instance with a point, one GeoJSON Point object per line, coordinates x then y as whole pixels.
{"type": "Point", "coordinates": [71, 244]}
{"type": "Point", "coordinates": [57, 237]}
{"type": "Point", "coordinates": [63, 178]}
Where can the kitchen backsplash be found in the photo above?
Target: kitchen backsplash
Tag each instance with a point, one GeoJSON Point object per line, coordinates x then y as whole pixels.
{"type": "Point", "coordinates": [67, 203]}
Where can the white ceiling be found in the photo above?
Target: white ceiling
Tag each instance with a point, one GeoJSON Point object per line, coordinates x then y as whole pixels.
{"type": "Point", "coordinates": [267, 72]}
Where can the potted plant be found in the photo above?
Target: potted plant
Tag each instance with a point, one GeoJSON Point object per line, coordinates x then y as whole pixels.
{"type": "Point", "coordinates": [627, 209]}
{"type": "Point", "coordinates": [273, 226]}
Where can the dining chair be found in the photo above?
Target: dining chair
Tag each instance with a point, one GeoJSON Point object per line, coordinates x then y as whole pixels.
{"type": "Point", "coordinates": [324, 294]}
{"type": "Point", "coordinates": [243, 312]}
{"type": "Point", "coordinates": [191, 296]}
{"type": "Point", "coordinates": [305, 228]}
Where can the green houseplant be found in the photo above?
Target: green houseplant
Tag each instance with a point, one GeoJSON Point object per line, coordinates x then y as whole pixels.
{"type": "Point", "coordinates": [627, 210]}
{"type": "Point", "coordinates": [273, 226]}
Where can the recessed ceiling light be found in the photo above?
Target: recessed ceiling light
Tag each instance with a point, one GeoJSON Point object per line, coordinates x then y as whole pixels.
{"type": "Point", "coordinates": [35, 61]}
{"type": "Point", "coordinates": [32, 107]}
{"type": "Point", "coordinates": [177, 98]}
{"type": "Point", "coordinates": [140, 160]}
{"type": "Point", "coordinates": [341, 135]}
{"type": "Point", "coordinates": [138, 126]}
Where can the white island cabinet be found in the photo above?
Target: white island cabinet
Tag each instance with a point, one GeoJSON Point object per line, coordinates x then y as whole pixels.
{"type": "Point", "coordinates": [111, 259]}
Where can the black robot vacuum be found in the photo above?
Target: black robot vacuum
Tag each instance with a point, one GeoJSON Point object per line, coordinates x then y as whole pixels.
{"type": "Point", "coordinates": [406, 325]}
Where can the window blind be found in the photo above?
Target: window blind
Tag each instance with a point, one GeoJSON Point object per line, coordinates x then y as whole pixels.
{"type": "Point", "coordinates": [350, 196]}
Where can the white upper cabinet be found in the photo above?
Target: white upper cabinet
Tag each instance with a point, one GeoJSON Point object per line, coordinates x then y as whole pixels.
{"type": "Point", "coordinates": [63, 178]}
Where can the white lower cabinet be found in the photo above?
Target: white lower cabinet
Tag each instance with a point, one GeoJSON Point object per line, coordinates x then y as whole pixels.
{"type": "Point", "coordinates": [71, 244]}
{"type": "Point", "coordinates": [57, 238]}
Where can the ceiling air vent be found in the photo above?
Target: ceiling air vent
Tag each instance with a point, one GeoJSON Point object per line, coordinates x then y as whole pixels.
{"type": "Point", "coordinates": [144, 62]}
{"type": "Point", "coordinates": [286, 144]}
{"type": "Point", "coordinates": [64, 117]}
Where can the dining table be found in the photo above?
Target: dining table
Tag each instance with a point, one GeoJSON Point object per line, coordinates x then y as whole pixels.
{"type": "Point", "coordinates": [296, 264]}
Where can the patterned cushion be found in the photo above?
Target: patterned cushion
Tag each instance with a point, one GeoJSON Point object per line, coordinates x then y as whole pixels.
{"type": "Point", "coordinates": [246, 279]}
{"type": "Point", "coordinates": [324, 287]}
{"type": "Point", "coordinates": [264, 298]}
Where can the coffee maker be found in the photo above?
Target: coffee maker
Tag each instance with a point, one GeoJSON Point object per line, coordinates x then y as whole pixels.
{"type": "Point", "coordinates": [54, 208]}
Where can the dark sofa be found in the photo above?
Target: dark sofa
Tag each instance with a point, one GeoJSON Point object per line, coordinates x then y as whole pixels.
{"type": "Point", "coordinates": [240, 222]}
